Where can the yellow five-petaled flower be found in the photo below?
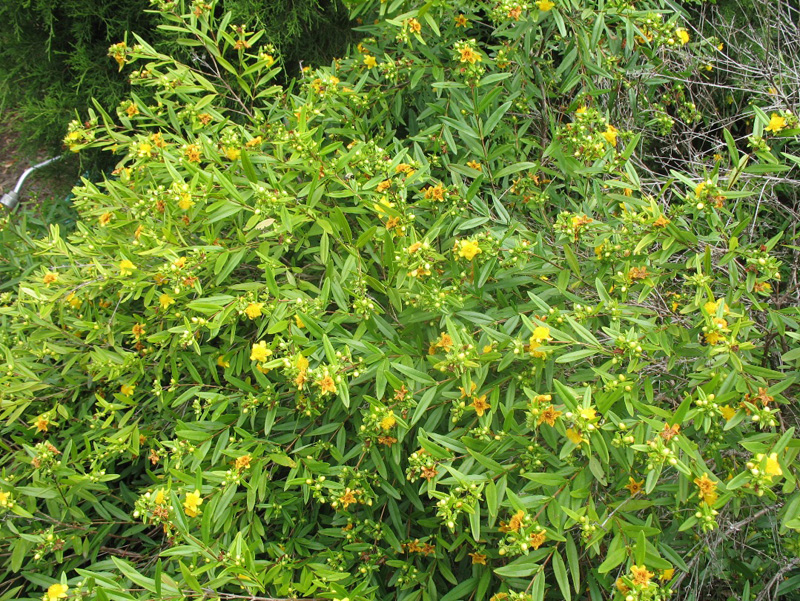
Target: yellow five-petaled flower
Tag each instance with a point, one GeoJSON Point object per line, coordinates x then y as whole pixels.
{"type": "Point", "coordinates": [641, 575]}
{"type": "Point", "coordinates": [480, 405]}
{"type": "Point", "coordinates": [260, 352]}
{"type": "Point", "coordinates": [327, 384]}
{"type": "Point", "coordinates": [126, 267]}
{"type": "Point", "coordinates": [253, 310]}
{"type": "Point", "coordinates": [468, 55]}
{"type": "Point", "coordinates": [192, 503]}
{"type": "Point", "coordinates": [707, 489]}
{"type": "Point", "coordinates": [468, 249]}
{"type": "Point", "coordinates": [776, 123]}
{"type": "Point", "coordinates": [633, 486]}
{"type": "Point", "coordinates": [56, 591]}
{"type": "Point", "coordinates": [610, 135]}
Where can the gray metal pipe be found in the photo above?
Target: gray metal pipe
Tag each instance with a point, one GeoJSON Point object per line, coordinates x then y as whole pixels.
{"type": "Point", "coordinates": [11, 199]}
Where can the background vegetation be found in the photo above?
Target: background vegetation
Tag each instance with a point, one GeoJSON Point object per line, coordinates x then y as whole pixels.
{"type": "Point", "coordinates": [500, 305]}
{"type": "Point", "coordinates": [55, 52]}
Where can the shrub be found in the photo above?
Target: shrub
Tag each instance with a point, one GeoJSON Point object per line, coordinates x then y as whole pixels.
{"type": "Point", "coordinates": [422, 325]}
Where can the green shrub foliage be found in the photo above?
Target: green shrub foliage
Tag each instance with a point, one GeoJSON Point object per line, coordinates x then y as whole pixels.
{"type": "Point", "coordinates": [54, 52]}
{"type": "Point", "coordinates": [431, 323]}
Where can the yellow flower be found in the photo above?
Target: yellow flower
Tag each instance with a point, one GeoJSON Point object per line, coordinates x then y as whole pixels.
{"type": "Point", "coordinates": [41, 423]}
{"type": "Point", "coordinates": [348, 498]}
{"type": "Point", "coordinates": [159, 498]}
{"type": "Point", "coordinates": [683, 35]}
{"type": "Point", "coordinates": [776, 123]}
{"type": "Point", "coordinates": [127, 389]}
{"type": "Point", "coordinates": [105, 218]}
{"type": "Point", "coordinates": [536, 539]}
{"type": "Point", "coordinates": [610, 135]}
{"type": "Point", "coordinates": [126, 267]}
{"type": "Point", "coordinates": [326, 385]}
{"type": "Point", "coordinates": [192, 503]}
{"type": "Point", "coordinates": [468, 55]}
{"type": "Point", "coordinates": [49, 278]}
{"type": "Point", "coordinates": [468, 249]}
{"type": "Point", "coordinates": [588, 413]}
{"type": "Point", "coordinates": [727, 412]}
{"type": "Point", "coordinates": [549, 416]}
{"type": "Point", "coordinates": [666, 575]}
{"type": "Point", "coordinates": [515, 523]}
{"type": "Point", "coordinates": [574, 436]}
{"type": "Point", "coordinates": [299, 322]}
{"type": "Point", "coordinates": [166, 300]}
{"type": "Point", "coordinates": [192, 153]}
{"type": "Point", "coordinates": [179, 263]}
{"type": "Point", "coordinates": [73, 300]}
{"type": "Point", "coordinates": [712, 306]}
{"type": "Point", "coordinates": [633, 486]}
{"type": "Point", "coordinates": [4, 497]}
{"type": "Point", "coordinates": [479, 558]}
{"type": "Point", "coordinates": [545, 5]}
{"type": "Point", "coordinates": [445, 342]}
{"type": "Point", "coordinates": [243, 462]}
{"type": "Point", "coordinates": [474, 165]}
{"type": "Point", "coordinates": [463, 390]}
{"type": "Point", "coordinates": [301, 363]}
{"type": "Point", "coordinates": [461, 21]}
{"type": "Point", "coordinates": [541, 334]}
{"type": "Point", "coordinates": [763, 287]}
{"type": "Point", "coordinates": [253, 310]}
{"type": "Point", "coordinates": [771, 467]}
{"type": "Point", "coordinates": [56, 591]}
{"type": "Point", "coordinates": [370, 62]}
{"type": "Point", "coordinates": [581, 110]}
{"type": "Point", "coordinates": [221, 362]}
{"type": "Point", "coordinates": [707, 489]}
{"type": "Point", "coordinates": [713, 338]}
{"type": "Point", "coordinates": [414, 25]}
{"type": "Point", "coordinates": [260, 352]}
{"type": "Point", "coordinates": [641, 575]}
{"type": "Point", "coordinates": [480, 405]}
{"type": "Point", "coordinates": [661, 222]}
{"type": "Point", "coordinates": [232, 153]}
{"type": "Point", "coordinates": [186, 202]}
{"type": "Point", "coordinates": [388, 422]}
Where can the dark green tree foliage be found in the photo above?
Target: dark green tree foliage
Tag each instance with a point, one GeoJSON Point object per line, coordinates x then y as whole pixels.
{"type": "Point", "coordinates": [54, 52]}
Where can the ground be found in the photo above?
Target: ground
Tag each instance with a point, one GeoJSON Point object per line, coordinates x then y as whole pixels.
{"type": "Point", "coordinates": [52, 183]}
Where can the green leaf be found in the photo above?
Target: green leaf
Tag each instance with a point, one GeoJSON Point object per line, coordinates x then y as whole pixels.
{"type": "Point", "coordinates": [521, 567]}
{"type": "Point", "coordinates": [560, 571]}
{"type": "Point", "coordinates": [414, 374]}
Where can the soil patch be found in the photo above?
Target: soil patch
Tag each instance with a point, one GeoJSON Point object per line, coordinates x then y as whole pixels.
{"type": "Point", "coordinates": [43, 186]}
